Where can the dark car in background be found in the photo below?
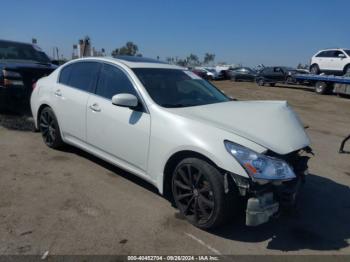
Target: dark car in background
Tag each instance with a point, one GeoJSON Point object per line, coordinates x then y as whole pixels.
{"type": "Point", "coordinates": [278, 74]}
{"type": "Point", "coordinates": [21, 65]}
{"type": "Point", "coordinates": [242, 74]}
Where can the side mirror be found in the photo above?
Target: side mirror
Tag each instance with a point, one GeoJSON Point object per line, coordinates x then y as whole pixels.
{"type": "Point", "coordinates": [125, 100]}
{"type": "Point", "coordinates": [341, 55]}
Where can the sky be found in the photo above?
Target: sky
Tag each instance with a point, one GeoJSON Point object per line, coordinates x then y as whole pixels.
{"type": "Point", "coordinates": [248, 32]}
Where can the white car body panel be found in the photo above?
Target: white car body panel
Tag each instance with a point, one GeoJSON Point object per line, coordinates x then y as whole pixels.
{"type": "Point", "coordinates": [143, 142]}
{"type": "Point", "coordinates": [119, 131]}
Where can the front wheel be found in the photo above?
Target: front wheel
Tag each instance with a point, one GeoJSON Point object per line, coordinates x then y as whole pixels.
{"type": "Point", "coordinates": [49, 128]}
{"type": "Point", "coordinates": [198, 191]}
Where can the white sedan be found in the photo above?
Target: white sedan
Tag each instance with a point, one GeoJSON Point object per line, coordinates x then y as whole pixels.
{"type": "Point", "coordinates": [203, 151]}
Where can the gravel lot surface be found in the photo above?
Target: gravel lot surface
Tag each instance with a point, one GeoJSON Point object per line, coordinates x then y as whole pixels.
{"type": "Point", "coordinates": [69, 202]}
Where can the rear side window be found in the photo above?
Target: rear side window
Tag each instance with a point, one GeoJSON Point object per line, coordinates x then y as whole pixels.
{"type": "Point", "coordinates": [113, 81]}
{"type": "Point", "coordinates": [81, 75]}
{"type": "Point", "coordinates": [328, 53]}
{"type": "Point", "coordinates": [64, 75]}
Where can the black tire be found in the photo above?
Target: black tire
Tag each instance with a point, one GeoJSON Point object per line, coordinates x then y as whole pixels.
{"type": "Point", "coordinates": [347, 70]}
{"type": "Point", "coordinates": [234, 79]}
{"type": "Point", "coordinates": [198, 191]}
{"type": "Point", "coordinates": [49, 128]}
{"type": "Point", "coordinates": [314, 69]}
{"type": "Point", "coordinates": [321, 87]}
{"type": "Point", "coordinates": [289, 80]}
{"type": "Point", "coordinates": [260, 82]}
{"type": "Point", "coordinates": [272, 84]}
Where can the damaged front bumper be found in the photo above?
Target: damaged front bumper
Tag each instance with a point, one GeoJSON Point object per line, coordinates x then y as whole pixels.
{"type": "Point", "coordinates": [267, 201]}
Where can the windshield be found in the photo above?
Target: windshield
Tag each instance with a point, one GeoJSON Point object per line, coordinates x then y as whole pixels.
{"type": "Point", "coordinates": [347, 51]}
{"type": "Point", "coordinates": [19, 51]}
{"type": "Point", "coordinates": [178, 88]}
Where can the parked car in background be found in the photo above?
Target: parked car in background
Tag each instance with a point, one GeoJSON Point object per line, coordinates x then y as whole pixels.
{"type": "Point", "coordinates": [21, 65]}
{"type": "Point", "coordinates": [242, 74]}
{"type": "Point", "coordinates": [212, 73]}
{"type": "Point", "coordinates": [331, 61]}
{"type": "Point", "coordinates": [201, 73]}
{"type": "Point", "coordinates": [276, 74]}
{"type": "Point", "coordinates": [200, 149]}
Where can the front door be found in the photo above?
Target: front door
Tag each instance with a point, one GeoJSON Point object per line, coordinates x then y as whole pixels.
{"type": "Point", "coordinates": [119, 132]}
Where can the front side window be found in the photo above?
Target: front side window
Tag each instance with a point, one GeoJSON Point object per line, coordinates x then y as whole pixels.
{"type": "Point", "coordinates": [337, 53]}
{"type": "Point", "coordinates": [113, 81]}
{"type": "Point", "coordinates": [80, 75]}
{"type": "Point", "coordinates": [178, 88]}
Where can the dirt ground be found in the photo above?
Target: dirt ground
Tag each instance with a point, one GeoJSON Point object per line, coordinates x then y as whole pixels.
{"type": "Point", "coordinates": [69, 202]}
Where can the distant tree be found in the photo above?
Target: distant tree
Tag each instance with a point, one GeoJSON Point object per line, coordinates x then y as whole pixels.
{"type": "Point", "coordinates": [208, 58]}
{"type": "Point", "coordinates": [129, 49]}
{"type": "Point", "coordinates": [182, 62]}
{"type": "Point", "coordinates": [193, 60]}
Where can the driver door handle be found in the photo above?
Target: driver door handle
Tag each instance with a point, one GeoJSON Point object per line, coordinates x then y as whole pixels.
{"type": "Point", "coordinates": [95, 107]}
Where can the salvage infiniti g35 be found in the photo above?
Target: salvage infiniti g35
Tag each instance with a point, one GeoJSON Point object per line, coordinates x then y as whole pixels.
{"type": "Point", "coordinates": [203, 151]}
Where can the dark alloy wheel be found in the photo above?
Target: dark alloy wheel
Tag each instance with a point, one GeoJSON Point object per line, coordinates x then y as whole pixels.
{"type": "Point", "coordinates": [321, 87]}
{"type": "Point", "coordinates": [198, 192]}
{"type": "Point", "coordinates": [49, 128]}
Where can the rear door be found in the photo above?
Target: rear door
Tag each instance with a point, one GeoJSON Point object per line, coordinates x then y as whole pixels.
{"type": "Point", "coordinates": [76, 82]}
{"type": "Point", "coordinates": [119, 133]}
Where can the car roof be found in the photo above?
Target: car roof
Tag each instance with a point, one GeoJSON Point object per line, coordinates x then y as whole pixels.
{"type": "Point", "coordinates": [16, 42]}
{"type": "Point", "coordinates": [134, 62]}
{"type": "Point", "coordinates": [330, 49]}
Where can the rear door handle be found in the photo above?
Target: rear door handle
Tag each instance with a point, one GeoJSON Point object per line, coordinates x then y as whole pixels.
{"type": "Point", "coordinates": [58, 92]}
{"type": "Point", "coordinates": [95, 107]}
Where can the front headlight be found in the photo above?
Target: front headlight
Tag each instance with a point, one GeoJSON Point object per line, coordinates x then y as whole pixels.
{"type": "Point", "coordinates": [259, 166]}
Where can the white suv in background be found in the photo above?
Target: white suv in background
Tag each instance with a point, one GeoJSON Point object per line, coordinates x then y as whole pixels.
{"type": "Point", "coordinates": [331, 61]}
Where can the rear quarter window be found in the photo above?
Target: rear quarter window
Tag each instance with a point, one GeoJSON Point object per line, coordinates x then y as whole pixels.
{"type": "Point", "coordinates": [64, 75]}
{"type": "Point", "coordinates": [80, 75]}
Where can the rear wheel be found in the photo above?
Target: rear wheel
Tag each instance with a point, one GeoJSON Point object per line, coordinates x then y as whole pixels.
{"type": "Point", "coordinates": [272, 84]}
{"type": "Point", "coordinates": [314, 69]}
{"type": "Point", "coordinates": [321, 87]}
{"type": "Point", "coordinates": [347, 70]}
{"type": "Point", "coordinates": [49, 128]}
{"type": "Point", "coordinates": [198, 191]}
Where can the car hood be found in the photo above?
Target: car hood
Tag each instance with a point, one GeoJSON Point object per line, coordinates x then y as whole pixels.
{"type": "Point", "coordinates": [271, 124]}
